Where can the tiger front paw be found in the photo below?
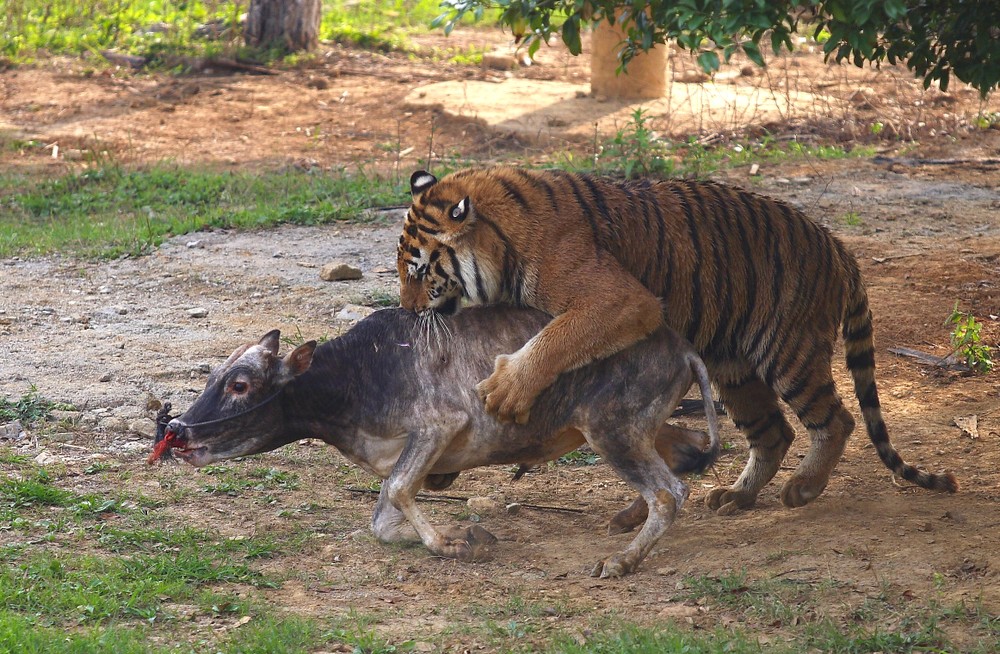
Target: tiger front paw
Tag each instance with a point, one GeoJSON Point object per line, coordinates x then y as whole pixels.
{"type": "Point", "coordinates": [507, 397]}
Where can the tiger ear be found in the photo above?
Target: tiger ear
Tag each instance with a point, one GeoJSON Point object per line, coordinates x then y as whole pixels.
{"type": "Point", "coordinates": [420, 181]}
{"type": "Point", "coordinates": [460, 211]}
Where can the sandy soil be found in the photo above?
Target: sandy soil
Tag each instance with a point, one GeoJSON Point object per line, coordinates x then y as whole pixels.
{"type": "Point", "coordinates": [109, 337]}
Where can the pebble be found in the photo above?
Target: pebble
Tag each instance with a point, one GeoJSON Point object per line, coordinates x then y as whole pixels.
{"type": "Point", "coordinates": [106, 377]}
{"type": "Point", "coordinates": [513, 508]}
{"type": "Point", "coordinates": [133, 447]}
{"type": "Point", "coordinates": [145, 428]}
{"type": "Point", "coordinates": [45, 458]}
{"type": "Point", "coordinates": [197, 312]}
{"type": "Point", "coordinates": [13, 431]}
{"type": "Point", "coordinates": [337, 271]}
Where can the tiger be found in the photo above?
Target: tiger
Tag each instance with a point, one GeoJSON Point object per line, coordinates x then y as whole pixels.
{"type": "Point", "coordinates": [758, 288]}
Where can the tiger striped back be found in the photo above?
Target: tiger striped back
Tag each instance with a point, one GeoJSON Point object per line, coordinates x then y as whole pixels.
{"type": "Point", "coordinates": [754, 284]}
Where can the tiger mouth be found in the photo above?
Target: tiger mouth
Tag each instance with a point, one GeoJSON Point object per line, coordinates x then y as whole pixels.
{"type": "Point", "coordinates": [449, 307]}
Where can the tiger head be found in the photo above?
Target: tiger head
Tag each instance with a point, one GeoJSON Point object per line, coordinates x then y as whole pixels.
{"type": "Point", "coordinates": [435, 259]}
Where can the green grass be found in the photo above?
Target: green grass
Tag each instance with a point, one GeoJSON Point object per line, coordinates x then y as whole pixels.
{"type": "Point", "coordinates": [384, 24]}
{"type": "Point", "coordinates": [112, 211]}
{"type": "Point", "coordinates": [232, 483]}
{"type": "Point", "coordinates": [31, 27]}
{"type": "Point", "coordinates": [636, 152]}
{"type": "Point", "coordinates": [29, 408]}
{"type": "Point", "coordinates": [165, 30]}
{"type": "Point", "coordinates": [101, 569]}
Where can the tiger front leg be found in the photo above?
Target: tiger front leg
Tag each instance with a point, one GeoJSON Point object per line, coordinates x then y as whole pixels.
{"type": "Point", "coordinates": [511, 390]}
{"type": "Point", "coordinates": [599, 323]}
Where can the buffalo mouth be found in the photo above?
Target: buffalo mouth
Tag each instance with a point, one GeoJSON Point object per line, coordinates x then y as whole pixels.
{"type": "Point", "coordinates": [194, 455]}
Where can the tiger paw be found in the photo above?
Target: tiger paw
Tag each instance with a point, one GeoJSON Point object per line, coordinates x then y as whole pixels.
{"type": "Point", "coordinates": [507, 397]}
{"type": "Point", "coordinates": [799, 491]}
{"type": "Point", "coordinates": [727, 501]}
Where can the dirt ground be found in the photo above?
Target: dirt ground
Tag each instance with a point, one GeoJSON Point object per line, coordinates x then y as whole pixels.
{"type": "Point", "coordinates": [108, 337]}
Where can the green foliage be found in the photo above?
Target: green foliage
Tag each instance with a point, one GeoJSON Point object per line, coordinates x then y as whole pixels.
{"type": "Point", "coordinates": [580, 458]}
{"type": "Point", "coordinates": [377, 24]}
{"type": "Point", "coordinates": [966, 340]}
{"type": "Point", "coordinates": [670, 638]}
{"type": "Point", "coordinates": [29, 409]}
{"type": "Point", "coordinates": [111, 210]}
{"type": "Point", "coordinates": [150, 28]}
{"type": "Point", "coordinates": [850, 218]}
{"type": "Point", "coordinates": [379, 298]}
{"type": "Point", "coordinates": [89, 589]}
{"type": "Point", "coordinates": [934, 38]}
{"type": "Point", "coordinates": [258, 479]}
{"type": "Point", "coordinates": [638, 150]}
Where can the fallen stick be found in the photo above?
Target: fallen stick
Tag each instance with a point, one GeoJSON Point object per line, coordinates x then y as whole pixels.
{"type": "Point", "coordinates": [948, 362]}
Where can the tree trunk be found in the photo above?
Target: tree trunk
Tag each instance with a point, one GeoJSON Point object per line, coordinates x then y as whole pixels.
{"type": "Point", "coordinates": [645, 76]}
{"type": "Point", "coordinates": [289, 24]}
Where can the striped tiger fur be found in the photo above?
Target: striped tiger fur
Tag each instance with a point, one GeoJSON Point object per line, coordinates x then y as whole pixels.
{"type": "Point", "coordinates": [754, 284]}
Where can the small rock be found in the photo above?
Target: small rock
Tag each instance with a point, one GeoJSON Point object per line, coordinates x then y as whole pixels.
{"type": "Point", "coordinates": [481, 505]}
{"type": "Point", "coordinates": [513, 508]}
{"type": "Point", "coordinates": [666, 572]}
{"type": "Point", "coordinates": [12, 431]}
{"type": "Point", "coordinates": [331, 553]}
{"type": "Point", "coordinates": [144, 428]}
{"type": "Point", "coordinates": [338, 271]}
{"type": "Point", "coordinates": [197, 312]}
{"type": "Point", "coordinates": [193, 244]}
{"type": "Point", "coordinates": [354, 312]}
{"type": "Point", "coordinates": [134, 447]}
{"type": "Point", "coordinates": [45, 457]}
{"type": "Point", "coordinates": [106, 377]}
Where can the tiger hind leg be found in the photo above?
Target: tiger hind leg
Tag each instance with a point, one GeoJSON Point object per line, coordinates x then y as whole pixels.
{"type": "Point", "coordinates": [753, 406]}
{"type": "Point", "coordinates": [821, 411]}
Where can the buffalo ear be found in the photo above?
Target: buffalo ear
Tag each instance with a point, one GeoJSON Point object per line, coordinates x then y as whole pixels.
{"type": "Point", "coordinates": [271, 340]}
{"type": "Point", "coordinates": [298, 360]}
{"type": "Point", "coordinates": [420, 181]}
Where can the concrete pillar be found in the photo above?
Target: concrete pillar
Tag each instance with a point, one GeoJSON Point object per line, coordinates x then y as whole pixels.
{"type": "Point", "coordinates": [644, 78]}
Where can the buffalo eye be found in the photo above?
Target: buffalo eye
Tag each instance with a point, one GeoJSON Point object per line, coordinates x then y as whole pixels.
{"type": "Point", "coordinates": [240, 388]}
